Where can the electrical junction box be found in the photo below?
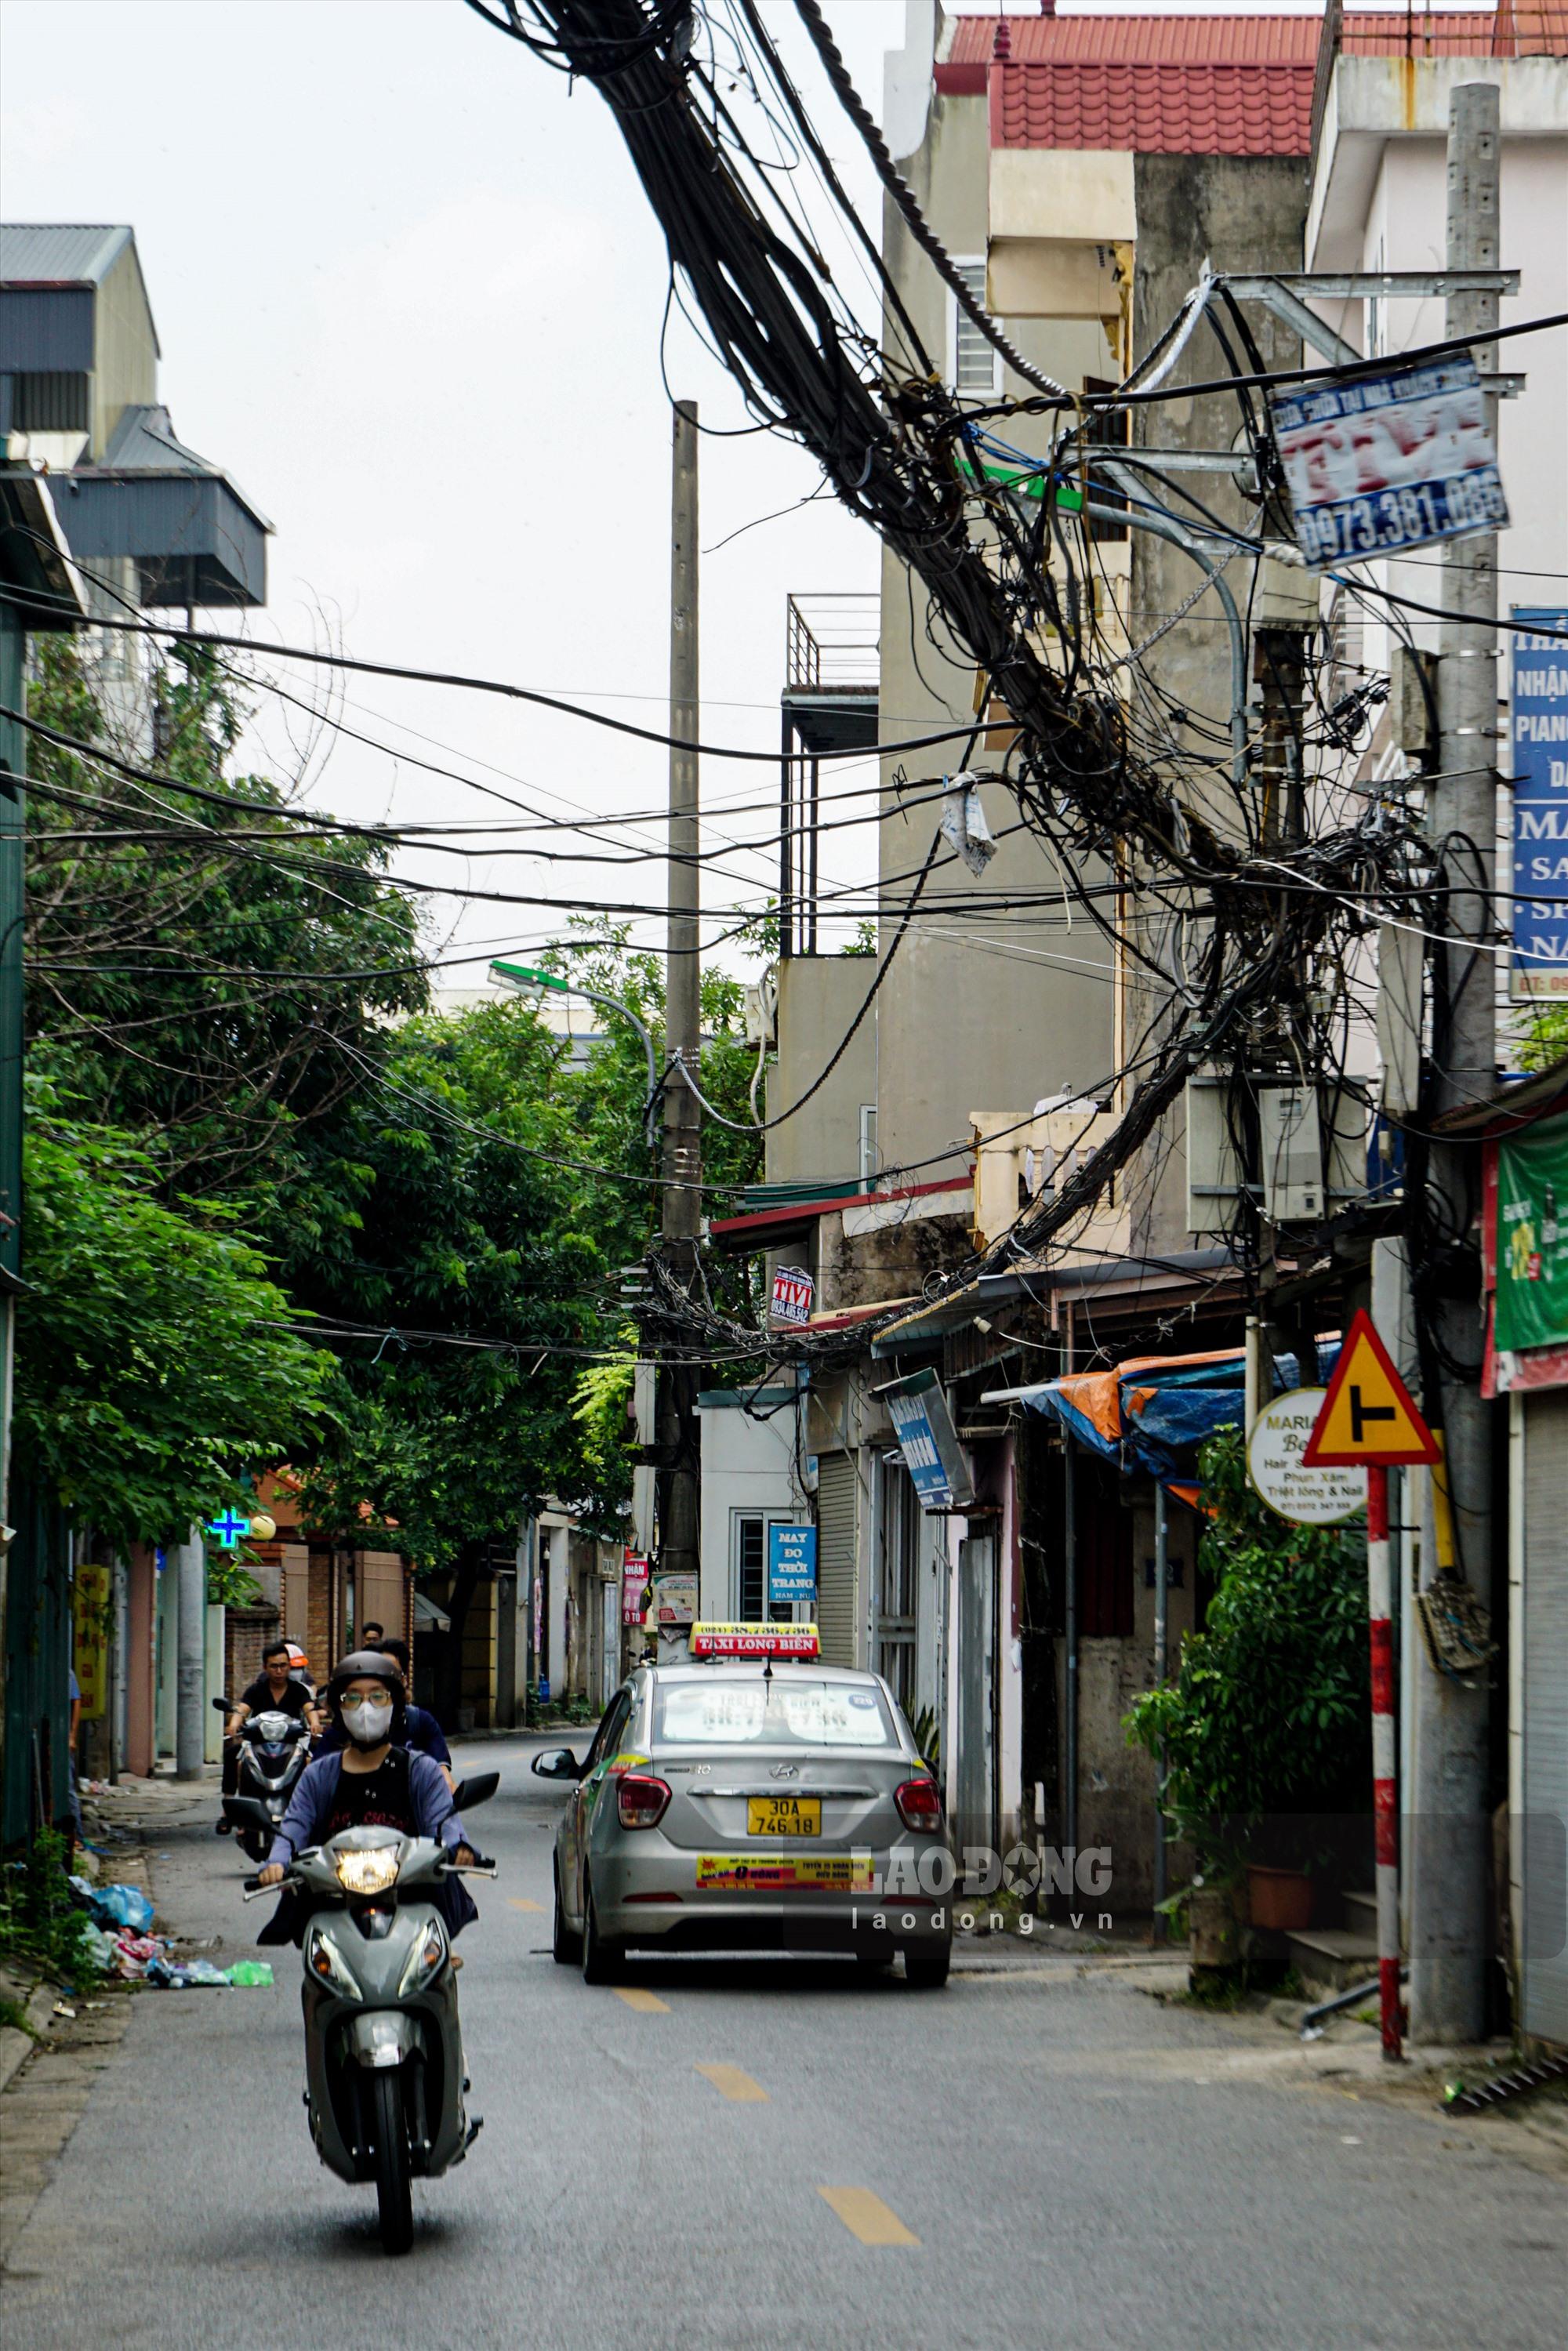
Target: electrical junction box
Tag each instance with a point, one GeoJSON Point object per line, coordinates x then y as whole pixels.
{"type": "Point", "coordinates": [1412, 698]}
{"type": "Point", "coordinates": [1290, 1149]}
{"type": "Point", "coordinates": [1213, 1160]}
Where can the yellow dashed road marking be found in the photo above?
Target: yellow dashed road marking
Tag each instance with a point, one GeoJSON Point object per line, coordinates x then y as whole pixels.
{"type": "Point", "coordinates": [732, 2084]}
{"type": "Point", "coordinates": [865, 2216]}
{"type": "Point", "coordinates": [521, 1902]}
{"type": "Point", "coordinates": [646, 2003]}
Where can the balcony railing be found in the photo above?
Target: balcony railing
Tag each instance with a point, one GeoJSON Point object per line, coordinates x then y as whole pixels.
{"type": "Point", "coordinates": [833, 641]}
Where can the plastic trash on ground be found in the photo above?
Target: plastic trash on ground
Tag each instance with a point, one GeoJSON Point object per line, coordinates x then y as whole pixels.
{"type": "Point", "coordinates": [245, 1973]}
{"type": "Point", "coordinates": [135, 1952]}
{"type": "Point", "coordinates": [122, 1906]}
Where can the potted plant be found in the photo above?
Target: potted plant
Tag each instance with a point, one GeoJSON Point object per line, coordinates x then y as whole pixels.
{"type": "Point", "coordinates": [1266, 1719]}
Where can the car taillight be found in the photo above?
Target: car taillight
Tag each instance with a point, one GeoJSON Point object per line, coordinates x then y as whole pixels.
{"type": "Point", "coordinates": [919, 1805]}
{"type": "Point", "coordinates": [639, 1799]}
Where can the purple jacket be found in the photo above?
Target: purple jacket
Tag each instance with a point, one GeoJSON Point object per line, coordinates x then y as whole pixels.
{"type": "Point", "coordinates": [310, 1806]}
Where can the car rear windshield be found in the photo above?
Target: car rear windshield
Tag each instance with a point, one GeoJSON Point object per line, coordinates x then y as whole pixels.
{"type": "Point", "coordinates": [789, 1710]}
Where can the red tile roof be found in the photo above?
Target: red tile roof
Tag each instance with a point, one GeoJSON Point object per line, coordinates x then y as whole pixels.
{"type": "Point", "coordinates": [1140, 40]}
{"type": "Point", "coordinates": [1167, 85]}
{"type": "Point", "coordinates": [1519, 31]}
{"type": "Point", "coordinates": [1146, 110]}
{"type": "Point", "coordinates": [1147, 85]}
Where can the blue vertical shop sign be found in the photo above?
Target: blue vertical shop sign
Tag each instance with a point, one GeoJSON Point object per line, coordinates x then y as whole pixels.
{"type": "Point", "coordinates": [1538, 733]}
{"type": "Point", "coordinates": [792, 1564]}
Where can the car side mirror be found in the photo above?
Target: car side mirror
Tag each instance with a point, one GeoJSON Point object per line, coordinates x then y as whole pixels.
{"type": "Point", "coordinates": [558, 1763]}
{"type": "Point", "coordinates": [477, 1790]}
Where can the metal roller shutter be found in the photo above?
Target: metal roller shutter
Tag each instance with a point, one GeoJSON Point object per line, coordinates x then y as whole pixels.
{"type": "Point", "coordinates": [838, 1583]}
{"type": "Point", "coordinates": [1545, 1825]}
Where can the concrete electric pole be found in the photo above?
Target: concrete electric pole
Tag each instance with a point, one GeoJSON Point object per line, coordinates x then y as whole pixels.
{"type": "Point", "coordinates": [188, 1564]}
{"type": "Point", "coordinates": [682, 1010]}
{"type": "Point", "coordinates": [1450, 1931]}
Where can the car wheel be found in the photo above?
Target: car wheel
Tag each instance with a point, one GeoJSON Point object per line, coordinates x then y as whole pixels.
{"type": "Point", "coordinates": [601, 1960]}
{"type": "Point", "coordinates": [926, 1969]}
{"type": "Point", "coordinates": [566, 1948]}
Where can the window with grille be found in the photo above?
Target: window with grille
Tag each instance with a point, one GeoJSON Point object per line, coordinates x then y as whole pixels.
{"type": "Point", "coordinates": [898, 1553]}
{"type": "Point", "coordinates": [749, 1567]}
{"type": "Point", "coordinates": [977, 364]}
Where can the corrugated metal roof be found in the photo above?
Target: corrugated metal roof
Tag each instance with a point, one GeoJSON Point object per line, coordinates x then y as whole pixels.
{"type": "Point", "coordinates": [54, 252]}
{"type": "Point", "coordinates": [144, 442]}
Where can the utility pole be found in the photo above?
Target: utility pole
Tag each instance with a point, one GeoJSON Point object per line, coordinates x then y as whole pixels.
{"type": "Point", "coordinates": [188, 1562]}
{"type": "Point", "coordinates": [1450, 1936]}
{"type": "Point", "coordinates": [682, 1010]}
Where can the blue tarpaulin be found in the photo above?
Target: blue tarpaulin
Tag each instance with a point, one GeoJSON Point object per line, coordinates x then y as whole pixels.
{"type": "Point", "coordinates": [1154, 1412]}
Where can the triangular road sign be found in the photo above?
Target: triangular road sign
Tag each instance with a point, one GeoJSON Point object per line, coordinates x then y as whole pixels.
{"type": "Point", "coordinates": [1368, 1415]}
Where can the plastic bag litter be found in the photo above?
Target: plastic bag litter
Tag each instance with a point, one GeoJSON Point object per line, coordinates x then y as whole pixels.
{"type": "Point", "coordinates": [101, 1949]}
{"type": "Point", "coordinates": [194, 1975]}
{"type": "Point", "coordinates": [133, 1953]}
{"type": "Point", "coordinates": [122, 1906]}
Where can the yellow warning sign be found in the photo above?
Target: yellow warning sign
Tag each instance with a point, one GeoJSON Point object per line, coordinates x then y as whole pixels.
{"type": "Point", "coordinates": [1368, 1415]}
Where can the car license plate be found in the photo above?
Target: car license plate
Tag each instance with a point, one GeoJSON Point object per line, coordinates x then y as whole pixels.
{"type": "Point", "coordinates": [784, 1816]}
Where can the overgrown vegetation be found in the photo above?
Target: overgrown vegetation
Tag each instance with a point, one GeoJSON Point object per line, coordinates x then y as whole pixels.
{"type": "Point", "coordinates": [43, 1928]}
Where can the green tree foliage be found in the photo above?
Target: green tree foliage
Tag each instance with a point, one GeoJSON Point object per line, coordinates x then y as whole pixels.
{"type": "Point", "coordinates": [247, 1001]}
{"type": "Point", "coordinates": [1546, 1038]}
{"type": "Point", "coordinates": [146, 1382]}
{"type": "Point", "coordinates": [1268, 1712]}
{"type": "Point", "coordinates": [205, 980]}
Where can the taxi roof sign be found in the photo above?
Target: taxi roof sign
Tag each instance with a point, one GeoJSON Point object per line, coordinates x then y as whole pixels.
{"type": "Point", "coordinates": [1369, 1417]}
{"type": "Point", "coordinates": [798, 1641]}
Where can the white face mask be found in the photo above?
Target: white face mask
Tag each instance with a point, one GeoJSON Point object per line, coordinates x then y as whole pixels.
{"type": "Point", "coordinates": [368, 1720]}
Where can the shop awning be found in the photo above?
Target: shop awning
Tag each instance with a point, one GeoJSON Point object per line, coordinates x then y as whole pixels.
{"type": "Point", "coordinates": [426, 1612]}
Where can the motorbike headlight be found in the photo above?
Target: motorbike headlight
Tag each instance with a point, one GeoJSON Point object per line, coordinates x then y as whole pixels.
{"type": "Point", "coordinates": [326, 1963]}
{"type": "Point", "coordinates": [424, 1961]}
{"type": "Point", "coordinates": [370, 1872]}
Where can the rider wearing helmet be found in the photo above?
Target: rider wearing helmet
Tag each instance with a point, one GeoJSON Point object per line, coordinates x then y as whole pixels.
{"type": "Point", "coordinates": [372, 1781]}
{"type": "Point", "coordinates": [420, 1728]}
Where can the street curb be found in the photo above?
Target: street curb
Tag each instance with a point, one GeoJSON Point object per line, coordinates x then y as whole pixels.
{"type": "Point", "coordinates": [17, 2046]}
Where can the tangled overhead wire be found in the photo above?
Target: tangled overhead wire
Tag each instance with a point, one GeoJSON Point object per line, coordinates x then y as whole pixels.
{"type": "Point", "coordinates": [1238, 912]}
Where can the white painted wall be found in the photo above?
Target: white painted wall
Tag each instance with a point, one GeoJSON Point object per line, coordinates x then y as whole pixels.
{"type": "Point", "coordinates": [749, 1464]}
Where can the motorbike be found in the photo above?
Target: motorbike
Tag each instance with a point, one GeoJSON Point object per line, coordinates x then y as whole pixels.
{"type": "Point", "coordinates": [385, 2081]}
{"type": "Point", "coordinates": [274, 1749]}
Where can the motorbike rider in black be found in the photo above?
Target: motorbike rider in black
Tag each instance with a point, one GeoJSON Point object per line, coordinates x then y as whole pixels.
{"type": "Point", "coordinates": [373, 1781]}
{"type": "Point", "coordinates": [274, 1691]}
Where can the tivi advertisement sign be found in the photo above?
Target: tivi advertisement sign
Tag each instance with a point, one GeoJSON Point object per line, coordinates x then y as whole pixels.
{"type": "Point", "coordinates": [792, 1292]}
{"type": "Point", "coordinates": [1382, 461]}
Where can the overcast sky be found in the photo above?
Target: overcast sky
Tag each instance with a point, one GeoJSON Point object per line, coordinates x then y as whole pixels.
{"type": "Point", "coordinates": [409, 295]}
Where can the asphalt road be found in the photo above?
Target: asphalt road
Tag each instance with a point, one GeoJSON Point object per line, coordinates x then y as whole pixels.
{"type": "Point", "coordinates": [761, 2154]}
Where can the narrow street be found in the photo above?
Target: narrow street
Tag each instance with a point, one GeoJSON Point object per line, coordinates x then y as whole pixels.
{"type": "Point", "coordinates": [754, 2154]}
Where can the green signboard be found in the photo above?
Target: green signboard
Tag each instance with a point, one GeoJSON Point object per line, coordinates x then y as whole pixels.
{"type": "Point", "coordinates": [1532, 1237]}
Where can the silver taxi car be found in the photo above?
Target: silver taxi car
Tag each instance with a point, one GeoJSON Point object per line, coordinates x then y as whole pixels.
{"type": "Point", "coordinates": [752, 1799]}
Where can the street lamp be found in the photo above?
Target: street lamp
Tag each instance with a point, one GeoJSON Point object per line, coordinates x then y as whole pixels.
{"type": "Point", "coordinates": [528, 977]}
